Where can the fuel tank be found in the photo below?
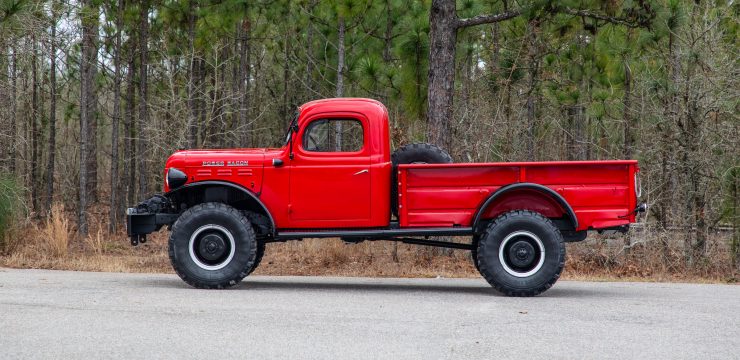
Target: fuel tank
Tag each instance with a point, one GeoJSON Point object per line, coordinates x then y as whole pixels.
{"type": "Point", "coordinates": [239, 166]}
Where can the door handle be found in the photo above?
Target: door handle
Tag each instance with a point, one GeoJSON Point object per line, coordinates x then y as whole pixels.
{"type": "Point", "coordinates": [360, 172]}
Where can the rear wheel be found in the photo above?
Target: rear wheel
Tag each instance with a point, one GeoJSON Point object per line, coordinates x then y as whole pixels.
{"type": "Point", "coordinates": [212, 246]}
{"type": "Point", "coordinates": [420, 153]}
{"type": "Point", "coordinates": [474, 252]}
{"type": "Point", "coordinates": [521, 253]}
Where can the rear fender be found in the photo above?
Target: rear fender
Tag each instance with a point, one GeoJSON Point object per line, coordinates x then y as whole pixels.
{"type": "Point", "coordinates": [526, 196]}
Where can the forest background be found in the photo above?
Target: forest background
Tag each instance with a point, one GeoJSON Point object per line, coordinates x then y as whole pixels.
{"type": "Point", "coordinates": [95, 94]}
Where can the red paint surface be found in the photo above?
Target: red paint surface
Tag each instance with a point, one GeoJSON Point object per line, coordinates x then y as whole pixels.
{"type": "Point", "coordinates": [342, 190]}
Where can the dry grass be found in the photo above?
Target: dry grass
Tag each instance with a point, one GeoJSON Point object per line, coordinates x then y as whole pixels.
{"type": "Point", "coordinates": [53, 246]}
{"type": "Point", "coordinates": [332, 257]}
{"type": "Point", "coordinates": [56, 233]}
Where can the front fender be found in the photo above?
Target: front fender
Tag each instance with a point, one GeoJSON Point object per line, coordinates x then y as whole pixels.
{"type": "Point", "coordinates": [151, 214]}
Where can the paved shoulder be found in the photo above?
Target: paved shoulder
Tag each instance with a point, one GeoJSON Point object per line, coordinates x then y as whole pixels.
{"type": "Point", "coordinates": [59, 314]}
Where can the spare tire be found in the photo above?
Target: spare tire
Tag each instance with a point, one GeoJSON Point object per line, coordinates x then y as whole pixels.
{"type": "Point", "coordinates": [421, 153]}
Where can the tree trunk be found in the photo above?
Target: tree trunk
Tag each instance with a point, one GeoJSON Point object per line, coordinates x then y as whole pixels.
{"type": "Point", "coordinates": [201, 101]}
{"type": "Point", "coordinates": [388, 37]}
{"type": "Point", "coordinates": [221, 98]}
{"type": "Point", "coordinates": [14, 109]}
{"type": "Point", "coordinates": [694, 165]}
{"type": "Point", "coordinates": [495, 48]}
{"type": "Point", "coordinates": [340, 80]}
{"type": "Point", "coordinates": [627, 103]}
{"type": "Point", "coordinates": [577, 128]}
{"type": "Point", "coordinates": [245, 73]}
{"type": "Point", "coordinates": [192, 125]}
{"type": "Point", "coordinates": [533, 74]}
{"type": "Point", "coordinates": [92, 139]}
{"type": "Point", "coordinates": [340, 58]}
{"type": "Point", "coordinates": [388, 45]}
{"type": "Point", "coordinates": [25, 168]}
{"type": "Point", "coordinates": [628, 139]}
{"type": "Point", "coordinates": [129, 128]}
{"type": "Point", "coordinates": [92, 109]}
{"type": "Point", "coordinates": [141, 148]}
{"type": "Point", "coordinates": [52, 120]}
{"type": "Point", "coordinates": [87, 91]}
{"type": "Point", "coordinates": [442, 41]}
{"type": "Point", "coordinates": [310, 57]}
{"type": "Point", "coordinates": [285, 118]}
{"type": "Point", "coordinates": [5, 138]}
{"type": "Point", "coordinates": [444, 23]}
{"type": "Point", "coordinates": [114, 183]}
{"type": "Point", "coordinates": [35, 127]}
{"type": "Point", "coordinates": [677, 119]}
{"type": "Point", "coordinates": [735, 217]}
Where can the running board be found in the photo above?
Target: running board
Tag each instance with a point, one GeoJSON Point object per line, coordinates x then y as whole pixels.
{"type": "Point", "coordinates": [374, 234]}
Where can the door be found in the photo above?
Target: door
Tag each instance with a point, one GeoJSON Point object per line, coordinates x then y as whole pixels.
{"type": "Point", "coordinates": [330, 174]}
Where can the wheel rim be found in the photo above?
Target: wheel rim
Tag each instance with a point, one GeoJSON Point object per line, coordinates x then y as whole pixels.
{"type": "Point", "coordinates": [212, 247]}
{"type": "Point", "coordinates": [522, 254]}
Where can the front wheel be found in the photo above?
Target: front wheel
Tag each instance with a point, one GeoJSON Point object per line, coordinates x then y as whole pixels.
{"type": "Point", "coordinates": [258, 258]}
{"type": "Point", "coordinates": [212, 246]}
{"type": "Point", "coordinates": [521, 253]}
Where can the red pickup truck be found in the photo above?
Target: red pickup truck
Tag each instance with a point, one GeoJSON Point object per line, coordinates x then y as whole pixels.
{"type": "Point", "coordinates": [335, 177]}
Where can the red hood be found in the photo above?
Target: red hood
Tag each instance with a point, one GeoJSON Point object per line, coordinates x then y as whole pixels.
{"type": "Point", "coordinates": [235, 157]}
{"type": "Point", "coordinates": [241, 166]}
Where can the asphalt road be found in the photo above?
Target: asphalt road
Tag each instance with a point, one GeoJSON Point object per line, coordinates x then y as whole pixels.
{"type": "Point", "coordinates": [77, 315]}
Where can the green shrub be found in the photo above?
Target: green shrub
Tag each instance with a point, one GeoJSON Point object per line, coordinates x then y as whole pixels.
{"type": "Point", "coordinates": [10, 205]}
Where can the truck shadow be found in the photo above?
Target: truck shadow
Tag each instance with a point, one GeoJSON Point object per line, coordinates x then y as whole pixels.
{"type": "Point", "coordinates": [561, 290]}
{"type": "Point", "coordinates": [349, 285]}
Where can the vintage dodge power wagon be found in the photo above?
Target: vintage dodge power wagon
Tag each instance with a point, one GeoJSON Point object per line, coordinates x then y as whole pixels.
{"type": "Point", "coordinates": [335, 177]}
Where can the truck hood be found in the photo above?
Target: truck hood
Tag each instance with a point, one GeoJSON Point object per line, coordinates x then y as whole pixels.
{"type": "Point", "coordinates": [240, 166]}
{"type": "Point", "coordinates": [235, 157]}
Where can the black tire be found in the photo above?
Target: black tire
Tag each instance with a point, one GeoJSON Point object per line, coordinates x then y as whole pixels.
{"type": "Point", "coordinates": [224, 246]}
{"type": "Point", "coordinates": [519, 237]}
{"type": "Point", "coordinates": [410, 154]}
{"type": "Point", "coordinates": [260, 254]}
{"type": "Point", "coordinates": [260, 225]}
{"type": "Point", "coordinates": [474, 252]}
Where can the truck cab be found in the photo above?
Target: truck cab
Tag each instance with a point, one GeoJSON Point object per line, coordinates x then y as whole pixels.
{"type": "Point", "coordinates": [332, 172]}
{"type": "Point", "coordinates": [338, 166]}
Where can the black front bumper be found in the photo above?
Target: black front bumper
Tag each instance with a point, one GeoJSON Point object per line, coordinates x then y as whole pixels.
{"type": "Point", "coordinates": [139, 225]}
{"type": "Point", "coordinates": [147, 217]}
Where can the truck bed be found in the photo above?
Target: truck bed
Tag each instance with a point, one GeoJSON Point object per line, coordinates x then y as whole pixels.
{"type": "Point", "coordinates": [600, 193]}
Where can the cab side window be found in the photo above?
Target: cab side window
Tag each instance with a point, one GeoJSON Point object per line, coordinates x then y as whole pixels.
{"type": "Point", "coordinates": [334, 135]}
